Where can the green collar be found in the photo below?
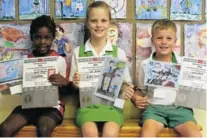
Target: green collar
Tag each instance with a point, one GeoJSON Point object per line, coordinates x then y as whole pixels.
{"type": "Point", "coordinates": [173, 57]}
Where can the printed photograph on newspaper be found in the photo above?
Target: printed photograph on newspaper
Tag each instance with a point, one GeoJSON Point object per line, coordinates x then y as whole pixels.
{"type": "Point", "coordinates": [162, 74]}
{"type": "Point", "coordinates": [110, 79]}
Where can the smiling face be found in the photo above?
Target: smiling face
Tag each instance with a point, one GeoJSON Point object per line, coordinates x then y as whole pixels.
{"type": "Point", "coordinates": [98, 23]}
{"type": "Point", "coordinates": [164, 40]}
{"type": "Point", "coordinates": [42, 41]}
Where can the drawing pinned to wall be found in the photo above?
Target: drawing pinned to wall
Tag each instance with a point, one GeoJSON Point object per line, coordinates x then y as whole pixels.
{"type": "Point", "coordinates": [14, 41]}
{"type": "Point", "coordinates": [7, 9]}
{"type": "Point", "coordinates": [70, 8]}
{"type": "Point", "coordinates": [69, 36]}
{"type": "Point", "coordinates": [195, 36]}
{"type": "Point", "coordinates": [120, 34]}
{"type": "Point", "coordinates": [118, 8]}
{"type": "Point", "coordinates": [151, 9]}
{"type": "Point", "coordinates": [144, 46]}
{"type": "Point", "coordinates": [30, 9]}
{"type": "Point", "coordinates": [186, 9]}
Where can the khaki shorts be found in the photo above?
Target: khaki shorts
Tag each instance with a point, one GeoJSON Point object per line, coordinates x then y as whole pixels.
{"type": "Point", "coordinates": [169, 115]}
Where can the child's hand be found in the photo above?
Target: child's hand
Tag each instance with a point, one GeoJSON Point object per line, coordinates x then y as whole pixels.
{"type": "Point", "coordinates": [139, 101]}
{"type": "Point", "coordinates": [4, 87]}
{"type": "Point", "coordinates": [58, 80]}
{"type": "Point", "coordinates": [128, 91]}
{"type": "Point", "coordinates": [76, 79]}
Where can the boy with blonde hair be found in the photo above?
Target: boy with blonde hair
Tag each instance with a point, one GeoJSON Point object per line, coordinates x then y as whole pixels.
{"type": "Point", "coordinates": [161, 112]}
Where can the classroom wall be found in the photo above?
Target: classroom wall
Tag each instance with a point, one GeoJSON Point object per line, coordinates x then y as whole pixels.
{"type": "Point", "coordinates": [7, 103]}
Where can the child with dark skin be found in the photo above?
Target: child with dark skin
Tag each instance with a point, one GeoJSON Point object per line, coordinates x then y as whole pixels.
{"type": "Point", "coordinates": [42, 32]}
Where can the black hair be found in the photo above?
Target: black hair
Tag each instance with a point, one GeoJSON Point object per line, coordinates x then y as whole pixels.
{"type": "Point", "coordinates": [42, 21]}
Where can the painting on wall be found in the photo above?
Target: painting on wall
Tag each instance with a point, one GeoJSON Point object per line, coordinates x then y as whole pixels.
{"type": "Point", "coordinates": [186, 10]}
{"type": "Point", "coordinates": [30, 9]}
{"type": "Point", "coordinates": [68, 37]}
{"type": "Point", "coordinates": [7, 9]}
{"type": "Point", "coordinates": [70, 9]}
{"type": "Point", "coordinates": [118, 8]}
{"type": "Point", "coordinates": [14, 41]}
{"type": "Point", "coordinates": [195, 36]}
{"type": "Point", "coordinates": [151, 9]}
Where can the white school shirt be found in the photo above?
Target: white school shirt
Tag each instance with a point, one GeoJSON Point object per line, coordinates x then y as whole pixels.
{"type": "Point", "coordinates": [170, 94]}
{"type": "Point", "coordinates": [88, 47]}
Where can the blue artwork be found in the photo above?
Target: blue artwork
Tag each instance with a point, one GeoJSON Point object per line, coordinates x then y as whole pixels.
{"type": "Point", "coordinates": [30, 9]}
{"type": "Point", "coordinates": [186, 9]}
{"type": "Point", "coordinates": [10, 70]}
{"type": "Point", "coordinates": [70, 9]}
{"type": "Point", "coordinates": [7, 9]}
{"type": "Point", "coordinates": [151, 9]}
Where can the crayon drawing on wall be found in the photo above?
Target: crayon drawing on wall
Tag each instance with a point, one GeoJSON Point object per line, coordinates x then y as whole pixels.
{"type": "Point", "coordinates": [7, 9]}
{"type": "Point", "coordinates": [186, 9]}
{"type": "Point", "coordinates": [14, 41]}
{"type": "Point", "coordinates": [70, 8]}
{"type": "Point", "coordinates": [30, 9]}
{"type": "Point", "coordinates": [118, 8]}
{"type": "Point", "coordinates": [151, 9]}
{"type": "Point", "coordinates": [195, 36]}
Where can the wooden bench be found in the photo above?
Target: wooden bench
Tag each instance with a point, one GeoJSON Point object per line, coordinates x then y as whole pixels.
{"type": "Point", "coordinates": [69, 129]}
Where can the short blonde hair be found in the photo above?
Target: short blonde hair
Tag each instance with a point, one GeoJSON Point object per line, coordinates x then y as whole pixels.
{"type": "Point", "coordinates": [98, 4]}
{"type": "Point", "coordinates": [163, 24]}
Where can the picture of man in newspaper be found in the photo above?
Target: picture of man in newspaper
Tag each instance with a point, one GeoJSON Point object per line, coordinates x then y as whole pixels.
{"type": "Point", "coordinates": [162, 74]}
{"type": "Point", "coordinates": [111, 79]}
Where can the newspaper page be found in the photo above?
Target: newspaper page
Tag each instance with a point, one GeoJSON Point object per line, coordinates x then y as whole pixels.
{"type": "Point", "coordinates": [162, 74]}
{"type": "Point", "coordinates": [110, 80]}
{"type": "Point", "coordinates": [89, 68]}
{"type": "Point", "coordinates": [192, 83]}
{"type": "Point", "coordinates": [11, 71]}
{"type": "Point", "coordinates": [37, 90]}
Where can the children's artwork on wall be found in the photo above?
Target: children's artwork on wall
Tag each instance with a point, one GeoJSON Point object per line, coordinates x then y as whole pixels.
{"type": "Point", "coordinates": [144, 46]}
{"type": "Point", "coordinates": [70, 8]}
{"type": "Point", "coordinates": [118, 8]}
{"type": "Point", "coordinates": [30, 9]}
{"type": "Point", "coordinates": [7, 9]}
{"type": "Point", "coordinates": [186, 9]}
{"type": "Point", "coordinates": [195, 36]}
{"type": "Point", "coordinates": [151, 9]}
{"type": "Point", "coordinates": [120, 34]}
{"type": "Point", "coordinates": [68, 37]}
{"type": "Point", "coordinates": [14, 41]}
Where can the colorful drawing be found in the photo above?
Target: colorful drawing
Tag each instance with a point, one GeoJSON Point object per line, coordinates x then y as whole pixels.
{"type": "Point", "coordinates": [70, 8]}
{"type": "Point", "coordinates": [151, 9]}
{"type": "Point", "coordinates": [14, 41]}
{"type": "Point", "coordinates": [186, 9]}
{"type": "Point", "coordinates": [30, 9]}
{"type": "Point", "coordinates": [162, 74]}
{"type": "Point", "coordinates": [195, 40]}
{"type": "Point", "coordinates": [118, 8]}
{"type": "Point", "coordinates": [144, 46]}
{"type": "Point", "coordinates": [111, 79]}
{"type": "Point", "coordinates": [120, 34]}
{"type": "Point", "coordinates": [11, 70]}
{"type": "Point", "coordinates": [7, 9]}
{"type": "Point", "coordinates": [68, 37]}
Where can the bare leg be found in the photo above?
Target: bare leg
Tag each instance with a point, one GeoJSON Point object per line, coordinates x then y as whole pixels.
{"type": "Point", "coordinates": [89, 129]}
{"type": "Point", "coordinates": [188, 129]}
{"type": "Point", "coordinates": [151, 128]}
{"type": "Point", "coordinates": [12, 125]}
{"type": "Point", "coordinates": [110, 129]}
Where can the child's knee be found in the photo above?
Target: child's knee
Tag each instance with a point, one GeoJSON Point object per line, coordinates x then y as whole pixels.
{"type": "Point", "coordinates": [90, 132]}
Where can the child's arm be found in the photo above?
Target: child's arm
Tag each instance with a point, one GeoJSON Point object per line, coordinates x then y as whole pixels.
{"type": "Point", "coordinates": [127, 90]}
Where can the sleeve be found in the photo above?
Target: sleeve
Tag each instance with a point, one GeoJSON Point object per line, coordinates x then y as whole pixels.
{"type": "Point", "coordinates": [74, 64]}
{"type": "Point", "coordinates": [127, 77]}
{"type": "Point", "coordinates": [62, 66]}
{"type": "Point", "coordinates": [140, 77]}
